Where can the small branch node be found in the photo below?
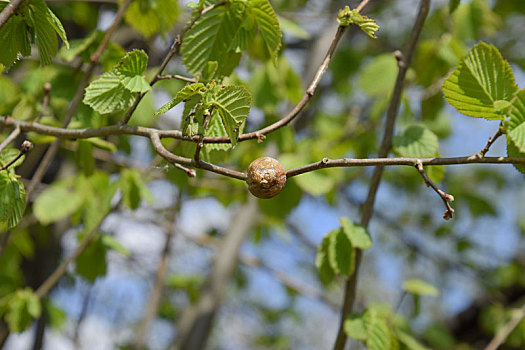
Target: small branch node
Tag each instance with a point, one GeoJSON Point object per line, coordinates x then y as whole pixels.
{"type": "Point", "coordinates": [189, 172]}
{"type": "Point", "coordinates": [400, 58]}
{"type": "Point", "coordinates": [447, 198]}
{"type": "Point", "coordinates": [260, 137]}
{"type": "Point", "coordinates": [325, 161]}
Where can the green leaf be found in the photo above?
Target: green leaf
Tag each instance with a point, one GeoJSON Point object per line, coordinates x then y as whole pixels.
{"type": "Point", "coordinates": [268, 25]}
{"type": "Point", "coordinates": [209, 39]}
{"type": "Point", "coordinates": [514, 151]}
{"type": "Point", "coordinates": [410, 342]}
{"type": "Point", "coordinates": [92, 262]}
{"type": "Point", "coordinates": [184, 94]}
{"type": "Point", "coordinates": [58, 201]}
{"type": "Point", "coordinates": [107, 94]}
{"type": "Point", "coordinates": [12, 199]}
{"type": "Point", "coordinates": [340, 252]}
{"type": "Point", "coordinates": [8, 155]}
{"type": "Point", "coordinates": [417, 141]}
{"type": "Point", "coordinates": [44, 26]}
{"type": "Point", "coordinates": [56, 317]}
{"type": "Point", "coordinates": [133, 188]}
{"type": "Point", "coordinates": [453, 5]}
{"type": "Point", "coordinates": [345, 17]}
{"type": "Point", "coordinates": [111, 243]}
{"type": "Point", "coordinates": [233, 104]}
{"type": "Point", "coordinates": [357, 234]}
{"type": "Point", "coordinates": [482, 78]}
{"type": "Point", "coordinates": [515, 124]}
{"type": "Point", "coordinates": [59, 28]}
{"type": "Point", "coordinates": [419, 287]}
{"type": "Point", "coordinates": [14, 41]}
{"type": "Point", "coordinates": [149, 17]}
{"type": "Point", "coordinates": [355, 327]}
{"type": "Point", "coordinates": [131, 67]}
{"type": "Point", "coordinates": [378, 76]}
{"type": "Point", "coordinates": [21, 308]}
{"type": "Point", "coordinates": [325, 271]}
{"type": "Point", "coordinates": [84, 157]}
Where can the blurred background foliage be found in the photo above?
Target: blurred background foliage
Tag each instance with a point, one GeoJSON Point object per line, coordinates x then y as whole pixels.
{"type": "Point", "coordinates": [275, 299]}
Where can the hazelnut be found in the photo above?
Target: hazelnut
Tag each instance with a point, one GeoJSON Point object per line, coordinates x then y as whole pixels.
{"type": "Point", "coordinates": [266, 177]}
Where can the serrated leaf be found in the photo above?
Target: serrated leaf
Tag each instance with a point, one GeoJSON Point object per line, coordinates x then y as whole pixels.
{"type": "Point", "coordinates": [268, 25]}
{"type": "Point", "coordinates": [209, 39]}
{"type": "Point", "coordinates": [417, 141]}
{"type": "Point", "coordinates": [513, 151]}
{"type": "Point", "coordinates": [59, 28]}
{"type": "Point", "coordinates": [233, 104]}
{"type": "Point", "coordinates": [12, 199]}
{"type": "Point", "coordinates": [515, 124]}
{"type": "Point", "coordinates": [184, 94]}
{"type": "Point", "coordinates": [371, 328]}
{"type": "Point", "coordinates": [107, 94]}
{"type": "Point", "coordinates": [131, 67]}
{"type": "Point", "coordinates": [8, 155]}
{"type": "Point", "coordinates": [345, 17]}
{"type": "Point", "coordinates": [419, 287]}
{"type": "Point", "coordinates": [14, 40]}
{"type": "Point", "coordinates": [482, 78]}
{"type": "Point", "coordinates": [324, 270]}
{"type": "Point", "coordinates": [357, 234]}
{"type": "Point", "coordinates": [152, 16]}
{"type": "Point", "coordinates": [56, 202]}
{"type": "Point", "coordinates": [46, 37]}
{"type": "Point", "coordinates": [340, 252]}
{"type": "Point", "coordinates": [216, 129]}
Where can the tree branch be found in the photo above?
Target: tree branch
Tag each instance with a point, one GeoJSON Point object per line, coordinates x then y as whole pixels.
{"type": "Point", "coordinates": [490, 142]}
{"type": "Point", "coordinates": [9, 11]}
{"type": "Point", "coordinates": [447, 198]}
{"type": "Point", "coordinates": [26, 147]}
{"type": "Point", "coordinates": [504, 332]}
{"type": "Point", "coordinates": [386, 144]}
{"type": "Point", "coordinates": [12, 136]}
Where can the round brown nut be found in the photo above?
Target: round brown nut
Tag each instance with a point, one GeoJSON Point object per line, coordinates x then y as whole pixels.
{"type": "Point", "coordinates": [266, 177]}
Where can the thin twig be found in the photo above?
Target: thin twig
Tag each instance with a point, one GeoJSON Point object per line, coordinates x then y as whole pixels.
{"type": "Point", "coordinates": [189, 172]}
{"type": "Point", "coordinates": [176, 76]}
{"type": "Point", "coordinates": [386, 144]}
{"type": "Point", "coordinates": [504, 332]}
{"type": "Point", "coordinates": [26, 147]}
{"type": "Point", "coordinates": [75, 102]}
{"type": "Point", "coordinates": [45, 102]}
{"type": "Point", "coordinates": [9, 10]}
{"type": "Point", "coordinates": [491, 140]}
{"type": "Point", "coordinates": [200, 144]}
{"type": "Point", "coordinates": [172, 51]}
{"type": "Point", "coordinates": [12, 136]}
{"type": "Point", "coordinates": [447, 198]}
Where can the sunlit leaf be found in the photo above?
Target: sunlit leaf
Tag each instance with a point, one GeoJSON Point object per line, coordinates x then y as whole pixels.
{"type": "Point", "coordinates": [358, 235]}
{"type": "Point", "coordinates": [12, 199]}
{"type": "Point", "coordinates": [107, 94]}
{"type": "Point", "coordinates": [515, 124]}
{"type": "Point", "coordinates": [419, 287]}
{"type": "Point", "coordinates": [233, 104]}
{"type": "Point", "coordinates": [417, 141]}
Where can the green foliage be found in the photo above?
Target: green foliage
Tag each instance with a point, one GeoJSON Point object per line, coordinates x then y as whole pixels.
{"type": "Point", "coordinates": [149, 17]}
{"type": "Point", "coordinates": [34, 22]}
{"type": "Point", "coordinates": [481, 80]}
{"type": "Point", "coordinates": [19, 309]}
{"type": "Point", "coordinates": [335, 255]}
{"type": "Point", "coordinates": [345, 17]}
{"type": "Point", "coordinates": [58, 201]}
{"type": "Point", "coordinates": [371, 328]}
{"type": "Point", "coordinates": [378, 76]}
{"type": "Point", "coordinates": [515, 125]}
{"type": "Point", "coordinates": [92, 262]}
{"type": "Point", "coordinates": [417, 141]}
{"type": "Point", "coordinates": [419, 287]}
{"type": "Point", "coordinates": [223, 33]}
{"type": "Point", "coordinates": [453, 5]}
{"type": "Point", "coordinates": [12, 198]}
{"type": "Point", "coordinates": [133, 188]}
{"type": "Point", "coordinates": [114, 91]}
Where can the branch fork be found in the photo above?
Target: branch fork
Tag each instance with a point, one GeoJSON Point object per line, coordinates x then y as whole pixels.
{"type": "Point", "coordinates": [447, 198]}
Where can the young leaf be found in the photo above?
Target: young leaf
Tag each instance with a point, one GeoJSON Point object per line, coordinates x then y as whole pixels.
{"type": "Point", "coordinates": [59, 28]}
{"type": "Point", "coordinates": [21, 308]}
{"type": "Point", "coordinates": [107, 94]}
{"type": "Point", "coordinates": [44, 26]}
{"type": "Point", "coordinates": [111, 243]}
{"type": "Point", "coordinates": [56, 202]}
{"type": "Point", "coordinates": [131, 67]}
{"type": "Point", "coordinates": [233, 104]}
{"type": "Point", "coordinates": [149, 17]}
{"type": "Point", "coordinates": [14, 41]}
{"type": "Point", "coordinates": [357, 234]}
{"type": "Point", "coordinates": [325, 271]}
{"type": "Point", "coordinates": [12, 199]}
{"type": "Point", "coordinates": [345, 17]}
{"type": "Point", "coordinates": [355, 327]}
{"type": "Point", "coordinates": [481, 80]}
{"type": "Point", "coordinates": [184, 94]}
{"type": "Point", "coordinates": [371, 328]}
{"type": "Point", "coordinates": [379, 75]}
{"type": "Point", "coordinates": [515, 124]}
{"type": "Point", "coordinates": [419, 287]}
{"type": "Point", "coordinates": [92, 262]}
{"type": "Point", "coordinates": [409, 341]}
{"type": "Point", "coordinates": [340, 252]}
{"type": "Point", "coordinates": [514, 151]}
{"type": "Point", "coordinates": [268, 25]}
{"type": "Point", "coordinates": [209, 39]}
{"type": "Point", "coordinates": [417, 141]}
